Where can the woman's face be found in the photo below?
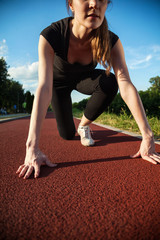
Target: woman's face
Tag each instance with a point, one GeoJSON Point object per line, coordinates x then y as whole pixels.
{"type": "Point", "coordinates": [89, 13]}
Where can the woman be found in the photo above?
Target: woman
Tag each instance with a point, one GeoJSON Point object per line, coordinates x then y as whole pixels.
{"type": "Point", "coordinates": [68, 53]}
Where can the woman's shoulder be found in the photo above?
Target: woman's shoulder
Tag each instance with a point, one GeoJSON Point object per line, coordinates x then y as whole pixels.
{"type": "Point", "coordinates": [113, 38]}
{"type": "Point", "coordinates": [62, 22]}
{"type": "Point", "coordinates": [57, 25]}
{"type": "Point", "coordinates": [55, 31]}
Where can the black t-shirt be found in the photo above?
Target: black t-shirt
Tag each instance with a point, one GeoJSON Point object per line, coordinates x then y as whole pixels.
{"type": "Point", "coordinates": [57, 34]}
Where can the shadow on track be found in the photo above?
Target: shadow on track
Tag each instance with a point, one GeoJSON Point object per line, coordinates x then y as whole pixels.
{"type": "Point", "coordinates": [106, 137]}
{"type": "Point", "coordinates": [47, 171]}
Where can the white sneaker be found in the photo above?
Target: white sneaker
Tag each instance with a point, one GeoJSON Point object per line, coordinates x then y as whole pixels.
{"type": "Point", "coordinates": [86, 139]}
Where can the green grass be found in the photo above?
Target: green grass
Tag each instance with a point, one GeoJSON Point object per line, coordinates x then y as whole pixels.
{"type": "Point", "coordinates": [77, 113]}
{"type": "Point", "coordinates": [123, 122]}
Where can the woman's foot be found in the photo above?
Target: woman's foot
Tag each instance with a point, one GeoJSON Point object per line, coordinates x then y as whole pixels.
{"type": "Point", "coordinates": [86, 139]}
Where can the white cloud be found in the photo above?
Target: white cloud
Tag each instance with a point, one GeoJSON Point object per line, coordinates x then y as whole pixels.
{"type": "Point", "coordinates": [3, 49]}
{"type": "Point", "coordinates": [140, 63]}
{"type": "Point", "coordinates": [155, 48]}
{"type": "Point", "coordinates": [27, 75]}
{"type": "Point", "coordinates": [143, 56]}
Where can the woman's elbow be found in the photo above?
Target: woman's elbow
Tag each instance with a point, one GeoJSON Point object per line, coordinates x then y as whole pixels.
{"type": "Point", "coordinates": [45, 92]}
{"type": "Point", "coordinates": [127, 91]}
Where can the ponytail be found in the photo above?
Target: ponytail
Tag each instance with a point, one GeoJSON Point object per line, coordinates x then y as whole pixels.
{"type": "Point", "coordinates": [101, 46]}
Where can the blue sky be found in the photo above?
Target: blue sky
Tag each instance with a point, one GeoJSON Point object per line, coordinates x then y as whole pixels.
{"type": "Point", "coordinates": [137, 23]}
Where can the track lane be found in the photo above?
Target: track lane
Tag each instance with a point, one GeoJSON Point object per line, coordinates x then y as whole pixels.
{"type": "Point", "coordinates": [95, 192]}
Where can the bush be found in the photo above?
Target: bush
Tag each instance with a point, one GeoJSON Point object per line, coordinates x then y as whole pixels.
{"type": "Point", "coordinates": [150, 100]}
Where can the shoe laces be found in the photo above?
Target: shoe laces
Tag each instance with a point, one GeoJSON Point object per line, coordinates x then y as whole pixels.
{"type": "Point", "coordinates": [86, 132]}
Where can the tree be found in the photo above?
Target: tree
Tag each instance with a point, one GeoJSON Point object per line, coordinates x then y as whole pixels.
{"type": "Point", "coordinates": [155, 82]}
{"type": "Point", "coordinates": [4, 82]}
{"type": "Point", "coordinates": [29, 101]}
{"type": "Point", "coordinates": [3, 71]}
{"type": "Point", "coordinates": [12, 94]}
{"type": "Point", "coordinates": [16, 96]}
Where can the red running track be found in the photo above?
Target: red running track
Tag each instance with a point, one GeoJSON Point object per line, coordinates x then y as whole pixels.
{"type": "Point", "coordinates": [94, 193]}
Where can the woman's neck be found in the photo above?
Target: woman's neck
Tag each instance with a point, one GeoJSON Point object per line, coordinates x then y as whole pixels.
{"type": "Point", "coordinates": [79, 34]}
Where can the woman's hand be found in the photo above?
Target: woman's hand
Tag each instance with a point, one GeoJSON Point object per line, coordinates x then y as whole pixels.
{"type": "Point", "coordinates": [33, 161]}
{"type": "Point", "coordinates": [147, 151]}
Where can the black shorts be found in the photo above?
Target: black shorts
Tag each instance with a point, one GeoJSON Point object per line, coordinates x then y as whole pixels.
{"type": "Point", "coordinates": [96, 83]}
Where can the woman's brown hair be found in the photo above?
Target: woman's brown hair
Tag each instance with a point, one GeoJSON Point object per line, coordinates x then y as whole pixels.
{"type": "Point", "coordinates": [100, 43]}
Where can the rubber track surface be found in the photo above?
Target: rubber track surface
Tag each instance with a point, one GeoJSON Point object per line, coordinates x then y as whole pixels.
{"type": "Point", "coordinates": [94, 193]}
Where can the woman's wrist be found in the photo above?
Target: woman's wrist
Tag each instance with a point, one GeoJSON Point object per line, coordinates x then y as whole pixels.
{"type": "Point", "coordinates": [147, 135]}
{"type": "Point", "coordinates": [31, 144]}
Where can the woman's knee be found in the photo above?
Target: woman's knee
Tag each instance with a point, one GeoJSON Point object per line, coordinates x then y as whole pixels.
{"type": "Point", "coordinates": [67, 135]}
{"type": "Point", "coordinates": [109, 84]}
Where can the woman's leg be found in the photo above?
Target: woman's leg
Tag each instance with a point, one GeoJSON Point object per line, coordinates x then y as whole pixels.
{"type": "Point", "coordinates": [102, 89]}
{"type": "Point", "coordinates": [62, 108]}
{"type": "Point", "coordinates": [84, 121]}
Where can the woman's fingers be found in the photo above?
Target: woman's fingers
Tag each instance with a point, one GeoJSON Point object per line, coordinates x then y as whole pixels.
{"type": "Point", "coordinates": [149, 159]}
{"type": "Point", "coordinates": [138, 154]}
{"type": "Point", "coordinates": [23, 171]}
{"type": "Point", "coordinates": [29, 172]}
{"type": "Point", "coordinates": [20, 168]}
{"type": "Point", "coordinates": [156, 157]}
{"type": "Point", "coordinates": [37, 170]}
{"type": "Point", "coordinates": [153, 158]}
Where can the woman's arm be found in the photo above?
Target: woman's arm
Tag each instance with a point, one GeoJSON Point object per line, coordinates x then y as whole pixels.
{"type": "Point", "coordinates": [43, 93]}
{"type": "Point", "coordinates": [34, 157]}
{"type": "Point", "coordinates": [131, 97]}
